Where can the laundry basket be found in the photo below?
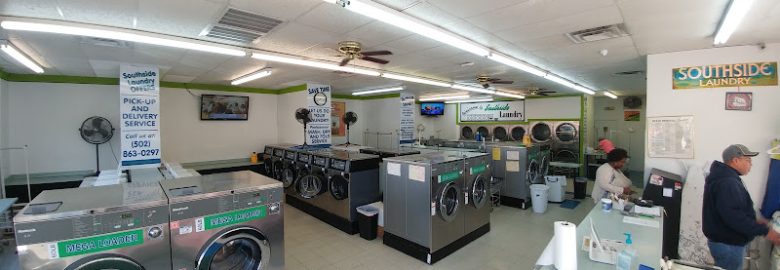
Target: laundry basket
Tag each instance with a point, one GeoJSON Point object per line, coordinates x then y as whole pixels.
{"type": "Point", "coordinates": [539, 197]}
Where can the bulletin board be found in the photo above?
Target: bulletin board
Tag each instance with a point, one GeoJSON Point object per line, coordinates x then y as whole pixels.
{"type": "Point", "coordinates": [670, 137]}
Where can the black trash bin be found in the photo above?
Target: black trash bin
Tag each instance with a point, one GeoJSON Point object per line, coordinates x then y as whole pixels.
{"type": "Point", "coordinates": [368, 217]}
{"type": "Point", "coordinates": [580, 185]}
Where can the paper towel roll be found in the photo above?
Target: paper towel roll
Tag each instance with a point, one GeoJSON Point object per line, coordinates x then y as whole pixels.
{"type": "Point", "coordinates": [547, 255]}
{"type": "Point", "coordinates": [565, 246]}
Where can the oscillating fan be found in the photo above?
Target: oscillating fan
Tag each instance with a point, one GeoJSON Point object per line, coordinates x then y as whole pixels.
{"type": "Point", "coordinates": [96, 130]}
{"type": "Point", "coordinates": [349, 119]}
{"type": "Point", "coordinates": [303, 116]}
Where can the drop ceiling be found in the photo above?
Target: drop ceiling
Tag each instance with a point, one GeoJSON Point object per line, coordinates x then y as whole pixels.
{"type": "Point", "coordinates": [532, 30]}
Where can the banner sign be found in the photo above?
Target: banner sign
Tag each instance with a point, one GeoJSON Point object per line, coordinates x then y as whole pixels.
{"type": "Point", "coordinates": [501, 111]}
{"type": "Point", "coordinates": [139, 110]}
{"type": "Point", "coordinates": [318, 130]}
{"type": "Point", "coordinates": [407, 118]}
{"type": "Point", "coordinates": [729, 75]}
{"type": "Point", "coordinates": [96, 244]}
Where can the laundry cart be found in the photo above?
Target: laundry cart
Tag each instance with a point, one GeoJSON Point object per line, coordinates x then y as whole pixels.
{"type": "Point", "coordinates": [495, 191]}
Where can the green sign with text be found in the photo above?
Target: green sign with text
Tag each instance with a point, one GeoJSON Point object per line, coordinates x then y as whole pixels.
{"type": "Point", "coordinates": [449, 177]}
{"type": "Point", "coordinates": [234, 217]}
{"type": "Point", "coordinates": [100, 243]}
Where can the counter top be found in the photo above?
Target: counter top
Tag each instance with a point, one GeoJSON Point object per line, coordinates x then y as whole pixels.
{"type": "Point", "coordinates": [219, 164]}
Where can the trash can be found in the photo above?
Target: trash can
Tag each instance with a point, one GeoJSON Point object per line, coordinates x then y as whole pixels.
{"type": "Point", "coordinates": [539, 197]}
{"type": "Point", "coordinates": [580, 187]}
{"type": "Point", "coordinates": [557, 185]}
{"type": "Point", "coordinates": [367, 221]}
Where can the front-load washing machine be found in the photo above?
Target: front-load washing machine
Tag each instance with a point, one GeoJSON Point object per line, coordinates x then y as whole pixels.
{"type": "Point", "coordinates": [423, 205]}
{"type": "Point", "coordinates": [226, 221]}
{"type": "Point", "coordinates": [268, 160]}
{"type": "Point", "coordinates": [477, 189]}
{"type": "Point", "coordinates": [541, 132]}
{"type": "Point", "coordinates": [289, 169]}
{"type": "Point", "coordinates": [123, 226]}
{"type": "Point", "coordinates": [278, 162]}
{"type": "Point", "coordinates": [544, 157]}
{"type": "Point", "coordinates": [515, 167]}
{"type": "Point", "coordinates": [567, 135]}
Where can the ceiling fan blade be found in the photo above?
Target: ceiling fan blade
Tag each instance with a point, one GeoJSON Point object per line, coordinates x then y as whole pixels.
{"type": "Point", "coordinates": [344, 62]}
{"type": "Point", "coordinates": [503, 82]}
{"type": "Point", "coordinates": [375, 60]}
{"type": "Point", "coordinates": [383, 52]}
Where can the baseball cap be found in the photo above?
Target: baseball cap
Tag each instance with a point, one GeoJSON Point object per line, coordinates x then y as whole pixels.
{"type": "Point", "coordinates": [737, 150]}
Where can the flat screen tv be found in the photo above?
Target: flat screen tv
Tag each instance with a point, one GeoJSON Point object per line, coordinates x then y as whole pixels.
{"type": "Point", "coordinates": [222, 107]}
{"type": "Point", "coordinates": [432, 108]}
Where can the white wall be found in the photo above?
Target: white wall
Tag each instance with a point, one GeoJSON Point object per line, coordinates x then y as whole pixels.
{"type": "Point", "coordinates": [621, 134]}
{"type": "Point", "coordinates": [288, 130]}
{"type": "Point", "coordinates": [553, 108]}
{"type": "Point", "coordinates": [5, 165]}
{"type": "Point", "coordinates": [356, 130]}
{"type": "Point", "coordinates": [46, 116]}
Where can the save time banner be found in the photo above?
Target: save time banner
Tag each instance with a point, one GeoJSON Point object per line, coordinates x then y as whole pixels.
{"type": "Point", "coordinates": [139, 111]}
{"type": "Point", "coordinates": [319, 129]}
{"type": "Point", "coordinates": [728, 75]}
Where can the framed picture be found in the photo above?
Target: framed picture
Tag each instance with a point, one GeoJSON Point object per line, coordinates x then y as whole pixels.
{"type": "Point", "coordinates": [739, 101]}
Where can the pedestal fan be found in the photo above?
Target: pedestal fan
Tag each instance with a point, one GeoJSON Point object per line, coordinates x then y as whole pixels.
{"type": "Point", "coordinates": [303, 115]}
{"type": "Point", "coordinates": [96, 130]}
{"type": "Point", "coordinates": [349, 119]}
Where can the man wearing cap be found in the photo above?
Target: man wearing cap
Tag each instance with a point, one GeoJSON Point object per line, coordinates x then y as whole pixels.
{"type": "Point", "coordinates": [728, 218]}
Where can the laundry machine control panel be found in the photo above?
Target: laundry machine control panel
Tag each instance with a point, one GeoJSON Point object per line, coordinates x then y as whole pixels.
{"type": "Point", "coordinates": [336, 164]}
{"type": "Point", "coordinates": [320, 161]}
{"type": "Point", "coordinates": [279, 152]}
{"type": "Point", "coordinates": [268, 150]}
{"type": "Point", "coordinates": [304, 158]}
{"type": "Point", "coordinates": [261, 199]}
{"type": "Point", "coordinates": [289, 155]}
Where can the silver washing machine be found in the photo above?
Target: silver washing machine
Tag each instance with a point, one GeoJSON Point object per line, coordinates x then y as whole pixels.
{"type": "Point", "coordinates": [289, 168]}
{"type": "Point", "coordinates": [270, 159]}
{"type": "Point", "coordinates": [424, 205]}
{"type": "Point", "coordinates": [515, 167]}
{"type": "Point", "coordinates": [123, 226]}
{"type": "Point", "coordinates": [541, 132]}
{"type": "Point", "coordinates": [476, 186]}
{"type": "Point", "coordinates": [278, 162]}
{"type": "Point", "coordinates": [388, 152]}
{"type": "Point", "coordinates": [226, 221]}
{"type": "Point", "coordinates": [544, 156]}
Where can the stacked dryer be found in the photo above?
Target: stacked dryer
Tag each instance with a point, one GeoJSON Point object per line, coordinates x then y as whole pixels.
{"type": "Point", "coordinates": [566, 144]}
{"type": "Point", "coordinates": [516, 167]}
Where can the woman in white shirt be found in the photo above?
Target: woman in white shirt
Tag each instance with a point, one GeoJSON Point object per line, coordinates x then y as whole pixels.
{"type": "Point", "coordinates": [609, 177]}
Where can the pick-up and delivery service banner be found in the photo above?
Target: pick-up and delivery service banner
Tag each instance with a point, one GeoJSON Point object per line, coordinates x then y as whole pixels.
{"type": "Point", "coordinates": [139, 111]}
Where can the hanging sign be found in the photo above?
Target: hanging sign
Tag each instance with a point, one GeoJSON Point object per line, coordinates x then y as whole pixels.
{"type": "Point", "coordinates": [407, 118]}
{"type": "Point", "coordinates": [318, 130]}
{"type": "Point", "coordinates": [139, 110]}
{"type": "Point", "coordinates": [728, 75]}
{"type": "Point", "coordinates": [502, 111]}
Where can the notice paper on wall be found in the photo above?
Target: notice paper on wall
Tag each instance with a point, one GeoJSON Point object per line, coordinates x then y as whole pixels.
{"type": "Point", "coordinates": [512, 166]}
{"type": "Point", "coordinates": [512, 155]}
{"type": "Point", "coordinates": [318, 131]}
{"type": "Point", "coordinates": [394, 169]}
{"type": "Point", "coordinates": [417, 173]}
{"type": "Point", "coordinates": [670, 137]}
{"type": "Point", "coordinates": [139, 111]}
{"type": "Point", "coordinates": [407, 118]}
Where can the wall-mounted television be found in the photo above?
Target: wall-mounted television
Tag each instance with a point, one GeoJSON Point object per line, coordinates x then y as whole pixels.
{"type": "Point", "coordinates": [223, 107]}
{"type": "Point", "coordinates": [432, 108]}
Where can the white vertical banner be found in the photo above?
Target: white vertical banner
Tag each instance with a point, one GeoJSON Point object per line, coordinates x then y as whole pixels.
{"type": "Point", "coordinates": [407, 128]}
{"type": "Point", "coordinates": [318, 130]}
{"type": "Point", "coordinates": [139, 111]}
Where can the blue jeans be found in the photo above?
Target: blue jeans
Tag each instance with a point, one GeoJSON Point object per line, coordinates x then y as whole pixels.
{"type": "Point", "coordinates": [727, 256]}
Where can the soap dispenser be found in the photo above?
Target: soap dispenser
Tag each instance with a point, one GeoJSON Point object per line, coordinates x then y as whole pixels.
{"type": "Point", "coordinates": [627, 256]}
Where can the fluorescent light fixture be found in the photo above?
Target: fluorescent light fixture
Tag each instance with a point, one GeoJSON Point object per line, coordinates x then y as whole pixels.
{"type": "Point", "coordinates": [736, 12]}
{"type": "Point", "coordinates": [20, 57]}
{"type": "Point", "coordinates": [469, 100]}
{"type": "Point", "coordinates": [383, 90]}
{"type": "Point", "coordinates": [252, 76]}
{"type": "Point", "coordinates": [473, 89]}
{"type": "Point", "coordinates": [415, 79]}
{"type": "Point", "coordinates": [126, 35]}
{"type": "Point", "coordinates": [609, 94]}
{"type": "Point", "coordinates": [567, 83]}
{"type": "Point", "coordinates": [314, 64]}
{"type": "Point", "coordinates": [401, 20]}
{"type": "Point", "coordinates": [510, 95]}
{"type": "Point", "coordinates": [517, 64]}
{"type": "Point", "coordinates": [447, 97]}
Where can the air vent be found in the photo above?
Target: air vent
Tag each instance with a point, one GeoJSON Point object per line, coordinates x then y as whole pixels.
{"type": "Point", "coordinates": [598, 33]}
{"type": "Point", "coordinates": [105, 42]}
{"type": "Point", "coordinates": [629, 73]}
{"type": "Point", "coordinates": [241, 26]}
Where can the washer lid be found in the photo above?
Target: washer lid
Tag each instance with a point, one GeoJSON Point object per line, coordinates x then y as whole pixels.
{"type": "Point", "coordinates": [448, 202]}
{"type": "Point", "coordinates": [240, 248]}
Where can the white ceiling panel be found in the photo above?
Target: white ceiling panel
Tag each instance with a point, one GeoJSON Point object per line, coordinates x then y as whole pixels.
{"type": "Point", "coordinates": [30, 8]}
{"type": "Point", "coordinates": [411, 44]}
{"type": "Point", "coordinates": [762, 25]}
{"type": "Point", "coordinates": [294, 38]}
{"type": "Point", "coordinates": [532, 12]}
{"type": "Point", "coordinates": [376, 33]}
{"type": "Point", "coordinates": [285, 10]}
{"type": "Point", "coordinates": [112, 13]}
{"type": "Point", "coordinates": [470, 8]}
{"type": "Point", "coordinates": [399, 4]}
{"type": "Point", "coordinates": [562, 25]}
{"type": "Point", "coordinates": [110, 69]}
{"type": "Point", "coordinates": [174, 18]}
{"type": "Point", "coordinates": [333, 18]}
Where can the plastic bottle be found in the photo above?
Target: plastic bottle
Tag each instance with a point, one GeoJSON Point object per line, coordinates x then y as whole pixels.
{"type": "Point", "coordinates": [626, 257]}
{"type": "Point", "coordinates": [253, 157]}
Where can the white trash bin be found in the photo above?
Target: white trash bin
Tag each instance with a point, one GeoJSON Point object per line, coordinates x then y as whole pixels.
{"type": "Point", "coordinates": [539, 197]}
{"type": "Point", "coordinates": [557, 184]}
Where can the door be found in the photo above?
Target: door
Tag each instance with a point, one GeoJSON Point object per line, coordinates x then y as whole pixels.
{"type": "Point", "coordinates": [104, 261]}
{"type": "Point", "coordinates": [448, 202]}
{"type": "Point", "coordinates": [566, 132]}
{"type": "Point", "coordinates": [288, 175]}
{"type": "Point", "coordinates": [278, 170]}
{"type": "Point", "coordinates": [533, 171]}
{"type": "Point", "coordinates": [238, 248]}
{"type": "Point", "coordinates": [479, 191]}
{"type": "Point", "coordinates": [311, 185]}
{"type": "Point", "coordinates": [339, 186]}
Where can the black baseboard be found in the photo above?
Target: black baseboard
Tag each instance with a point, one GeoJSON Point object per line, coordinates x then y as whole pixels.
{"type": "Point", "coordinates": [327, 217]}
{"type": "Point", "coordinates": [423, 253]}
{"type": "Point", "coordinates": [515, 202]}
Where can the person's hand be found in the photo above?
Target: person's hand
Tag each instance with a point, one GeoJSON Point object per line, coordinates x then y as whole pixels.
{"type": "Point", "coordinates": [627, 191]}
{"type": "Point", "coordinates": [773, 237]}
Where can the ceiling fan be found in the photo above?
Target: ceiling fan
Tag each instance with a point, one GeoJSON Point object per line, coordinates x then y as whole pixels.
{"type": "Point", "coordinates": [351, 50]}
{"type": "Point", "coordinates": [485, 80]}
{"type": "Point", "coordinates": [536, 91]}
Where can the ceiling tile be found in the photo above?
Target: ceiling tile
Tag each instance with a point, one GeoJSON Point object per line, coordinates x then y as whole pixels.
{"type": "Point", "coordinates": [30, 8]}
{"type": "Point", "coordinates": [176, 18]}
{"type": "Point", "coordinates": [563, 25]}
{"type": "Point", "coordinates": [294, 38]}
{"type": "Point", "coordinates": [411, 44]}
{"type": "Point", "coordinates": [376, 33]}
{"type": "Point", "coordinates": [399, 4]}
{"type": "Point", "coordinates": [112, 13]}
{"type": "Point", "coordinates": [333, 18]}
{"type": "Point", "coordinates": [285, 10]}
{"type": "Point", "coordinates": [469, 8]}
{"type": "Point", "coordinates": [532, 12]}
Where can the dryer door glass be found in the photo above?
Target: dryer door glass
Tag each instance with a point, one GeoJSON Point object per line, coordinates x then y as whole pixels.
{"type": "Point", "coordinates": [104, 261]}
{"type": "Point", "coordinates": [278, 169]}
{"type": "Point", "coordinates": [268, 166]}
{"type": "Point", "coordinates": [311, 185]}
{"type": "Point", "coordinates": [339, 187]}
{"type": "Point", "coordinates": [448, 202]}
{"type": "Point", "coordinates": [288, 177]}
{"type": "Point", "coordinates": [566, 156]}
{"type": "Point", "coordinates": [566, 132]}
{"type": "Point", "coordinates": [518, 133]}
{"type": "Point", "coordinates": [500, 134]}
{"type": "Point", "coordinates": [479, 190]}
{"type": "Point", "coordinates": [541, 132]}
{"type": "Point", "coordinates": [240, 248]}
{"type": "Point", "coordinates": [467, 133]}
{"type": "Point", "coordinates": [533, 170]}
{"type": "Point", "coordinates": [483, 132]}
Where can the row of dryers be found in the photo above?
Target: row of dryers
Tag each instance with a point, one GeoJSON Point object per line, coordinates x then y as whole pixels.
{"type": "Point", "coordinates": [436, 202]}
{"type": "Point", "coordinates": [562, 136]}
{"type": "Point", "coordinates": [325, 183]}
{"type": "Point", "coordinates": [217, 221]}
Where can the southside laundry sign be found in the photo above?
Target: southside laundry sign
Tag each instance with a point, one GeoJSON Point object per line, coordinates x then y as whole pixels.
{"type": "Point", "coordinates": [139, 100]}
{"type": "Point", "coordinates": [492, 111]}
{"type": "Point", "coordinates": [728, 75]}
